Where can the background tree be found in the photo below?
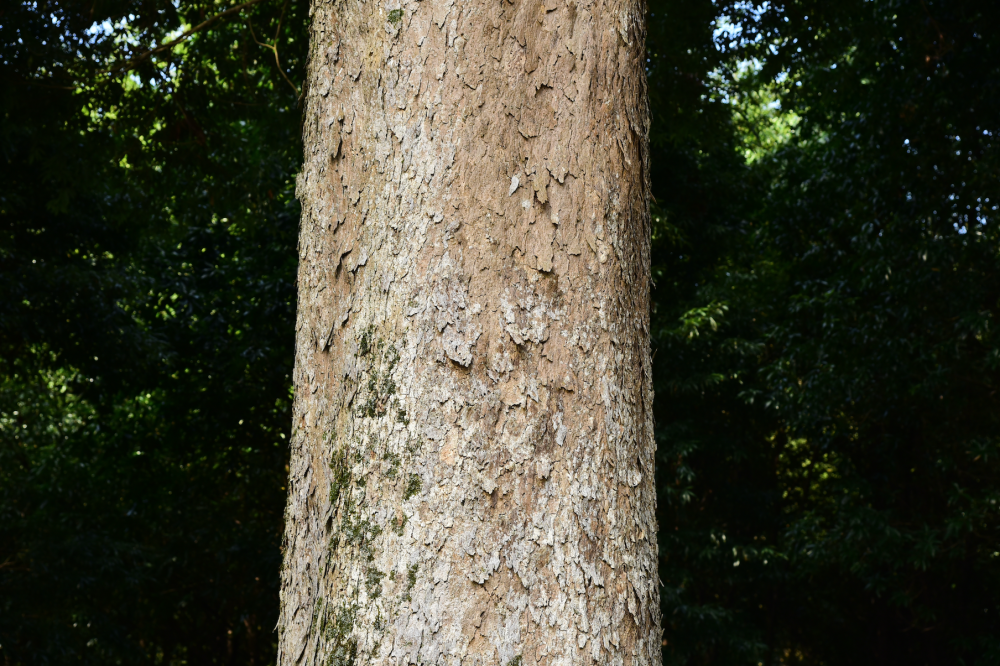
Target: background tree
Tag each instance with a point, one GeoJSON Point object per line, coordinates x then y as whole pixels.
{"type": "Point", "coordinates": [147, 253]}
{"type": "Point", "coordinates": [830, 476]}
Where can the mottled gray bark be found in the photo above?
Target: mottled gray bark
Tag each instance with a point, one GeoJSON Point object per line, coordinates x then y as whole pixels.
{"type": "Point", "coordinates": [472, 461]}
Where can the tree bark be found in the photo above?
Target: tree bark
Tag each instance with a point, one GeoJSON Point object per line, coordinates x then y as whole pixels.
{"type": "Point", "coordinates": [471, 476]}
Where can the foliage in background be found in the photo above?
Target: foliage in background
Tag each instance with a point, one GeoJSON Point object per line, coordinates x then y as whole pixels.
{"type": "Point", "coordinates": [829, 441]}
{"type": "Point", "coordinates": [827, 284]}
{"type": "Point", "coordinates": [147, 258]}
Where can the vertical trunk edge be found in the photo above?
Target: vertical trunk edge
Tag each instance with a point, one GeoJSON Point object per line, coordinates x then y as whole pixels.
{"type": "Point", "coordinates": [471, 477]}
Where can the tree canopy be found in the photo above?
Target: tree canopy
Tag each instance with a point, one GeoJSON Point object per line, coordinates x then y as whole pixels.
{"type": "Point", "coordinates": [827, 274]}
{"type": "Point", "coordinates": [148, 258]}
{"type": "Point", "coordinates": [825, 356]}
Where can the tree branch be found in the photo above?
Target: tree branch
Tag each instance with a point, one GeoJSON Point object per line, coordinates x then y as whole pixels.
{"type": "Point", "coordinates": [274, 47]}
{"type": "Point", "coordinates": [133, 62]}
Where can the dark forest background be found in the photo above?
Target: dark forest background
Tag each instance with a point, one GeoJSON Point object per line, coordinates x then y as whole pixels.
{"type": "Point", "coordinates": [827, 265]}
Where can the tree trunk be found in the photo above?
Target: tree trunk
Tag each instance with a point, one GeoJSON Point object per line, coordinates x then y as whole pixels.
{"type": "Point", "coordinates": [471, 474]}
